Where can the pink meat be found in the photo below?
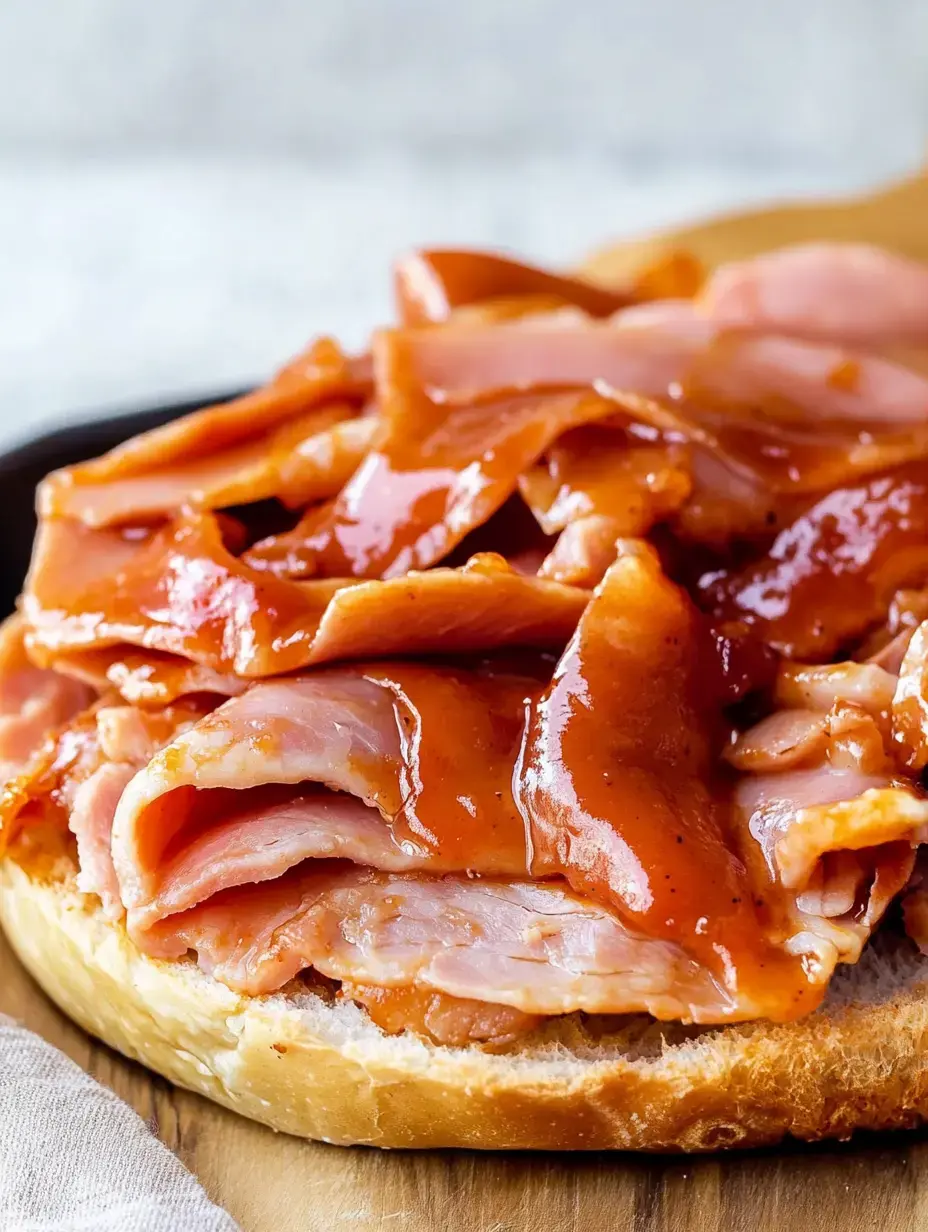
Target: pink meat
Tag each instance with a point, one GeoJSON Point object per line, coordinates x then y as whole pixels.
{"type": "Point", "coordinates": [33, 701]}
{"type": "Point", "coordinates": [531, 945]}
{"type": "Point", "coordinates": [839, 292]}
{"type": "Point", "coordinates": [326, 728]}
{"type": "Point", "coordinates": [91, 821]}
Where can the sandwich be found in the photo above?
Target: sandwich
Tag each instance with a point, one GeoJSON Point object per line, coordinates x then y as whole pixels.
{"type": "Point", "coordinates": [513, 735]}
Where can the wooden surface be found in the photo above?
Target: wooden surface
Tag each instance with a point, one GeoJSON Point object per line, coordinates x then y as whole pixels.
{"type": "Point", "coordinates": [896, 218]}
{"type": "Point", "coordinates": [272, 1183]}
{"type": "Point", "coordinates": [277, 1184]}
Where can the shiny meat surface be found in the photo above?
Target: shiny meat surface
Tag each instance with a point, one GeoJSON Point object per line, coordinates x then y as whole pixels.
{"type": "Point", "coordinates": [565, 651]}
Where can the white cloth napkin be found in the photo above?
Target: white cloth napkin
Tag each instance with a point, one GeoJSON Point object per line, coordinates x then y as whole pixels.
{"type": "Point", "coordinates": [75, 1158]}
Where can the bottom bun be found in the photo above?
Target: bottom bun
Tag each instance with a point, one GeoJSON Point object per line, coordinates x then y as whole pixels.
{"type": "Point", "coordinates": [303, 1063]}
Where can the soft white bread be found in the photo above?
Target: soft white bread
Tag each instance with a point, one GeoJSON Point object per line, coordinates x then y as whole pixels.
{"type": "Point", "coordinates": [303, 1063]}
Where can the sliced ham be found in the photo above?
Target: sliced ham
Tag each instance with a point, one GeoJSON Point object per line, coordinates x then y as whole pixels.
{"type": "Point", "coordinates": [781, 741]}
{"type": "Point", "coordinates": [238, 475]}
{"type": "Point", "coordinates": [878, 816]}
{"type": "Point", "coordinates": [670, 498]}
{"type": "Point", "coordinates": [820, 686]}
{"type": "Point", "coordinates": [179, 592]}
{"type": "Point", "coordinates": [142, 677]}
{"type": "Point", "coordinates": [33, 701]}
{"type": "Point", "coordinates": [832, 292]}
{"type": "Point", "coordinates": [484, 606]}
{"type": "Point", "coordinates": [325, 730]}
{"type": "Point", "coordinates": [910, 702]}
{"type": "Point", "coordinates": [852, 762]}
{"type": "Point", "coordinates": [597, 485]}
{"type": "Point", "coordinates": [213, 455]}
{"type": "Point", "coordinates": [599, 470]}
{"type": "Point", "coordinates": [583, 551]}
{"type": "Point", "coordinates": [79, 775]}
{"type": "Point", "coordinates": [533, 946]}
{"type": "Point", "coordinates": [819, 931]}
{"type": "Point", "coordinates": [259, 835]}
{"type": "Point", "coordinates": [839, 833]}
{"type": "Point", "coordinates": [128, 734]}
{"type": "Point", "coordinates": [430, 284]}
{"type": "Point", "coordinates": [183, 593]}
{"type": "Point", "coordinates": [319, 465]}
{"type": "Point", "coordinates": [832, 573]}
{"type": "Point", "coordinates": [436, 474]}
{"type": "Point", "coordinates": [770, 408]}
{"type": "Point", "coordinates": [358, 763]}
{"type": "Point", "coordinates": [465, 364]}
{"type": "Point", "coordinates": [821, 703]}
{"type": "Point", "coordinates": [91, 821]}
{"type": "Point", "coordinates": [619, 785]}
{"type": "Point", "coordinates": [682, 353]}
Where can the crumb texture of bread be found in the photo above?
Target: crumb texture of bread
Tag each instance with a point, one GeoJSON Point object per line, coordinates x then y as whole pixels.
{"type": "Point", "coordinates": [306, 1065]}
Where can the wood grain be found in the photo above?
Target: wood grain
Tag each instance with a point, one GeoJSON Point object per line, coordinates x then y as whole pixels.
{"type": "Point", "coordinates": [896, 218]}
{"type": "Point", "coordinates": [272, 1183]}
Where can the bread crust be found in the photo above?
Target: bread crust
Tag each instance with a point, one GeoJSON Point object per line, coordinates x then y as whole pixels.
{"type": "Point", "coordinates": [300, 1063]}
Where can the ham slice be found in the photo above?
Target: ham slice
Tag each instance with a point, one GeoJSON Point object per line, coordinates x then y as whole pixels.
{"type": "Point", "coordinates": [357, 763]}
{"type": "Point", "coordinates": [79, 775]}
{"type": "Point", "coordinates": [683, 353]}
{"type": "Point", "coordinates": [875, 818]}
{"type": "Point", "coordinates": [833, 292]}
{"type": "Point", "coordinates": [821, 822]}
{"type": "Point", "coordinates": [583, 552]}
{"type": "Point", "coordinates": [216, 456]}
{"type": "Point", "coordinates": [319, 465]}
{"type": "Point", "coordinates": [781, 741]}
{"type": "Point", "coordinates": [436, 475]}
{"type": "Point", "coordinates": [149, 678]}
{"type": "Point", "coordinates": [401, 789]}
{"type": "Point", "coordinates": [533, 946]}
{"type": "Point", "coordinates": [183, 593]}
{"type": "Point", "coordinates": [601, 470]}
{"type": "Point", "coordinates": [837, 828]}
{"type": "Point", "coordinates": [821, 702]}
{"type": "Point", "coordinates": [843, 843]}
{"type": "Point", "coordinates": [832, 573]}
{"type": "Point", "coordinates": [619, 785]}
{"type": "Point", "coordinates": [597, 485]}
{"type": "Point", "coordinates": [243, 473]}
{"type": "Point", "coordinates": [430, 284]}
{"type": "Point", "coordinates": [821, 686]}
{"type": "Point", "coordinates": [487, 605]}
{"type": "Point", "coordinates": [33, 701]}
{"type": "Point", "coordinates": [91, 821]}
{"type": "Point", "coordinates": [910, 702]}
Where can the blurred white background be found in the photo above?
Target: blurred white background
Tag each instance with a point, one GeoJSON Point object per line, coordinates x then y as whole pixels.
{"type": "Point", "coordinates": [189, 188]}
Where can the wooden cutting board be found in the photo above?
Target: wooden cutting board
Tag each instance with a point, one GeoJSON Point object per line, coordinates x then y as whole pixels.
{"type": "Point", "coordinates": [895, 218]}
{"type": "Point", "coordinates": [271, 1183]}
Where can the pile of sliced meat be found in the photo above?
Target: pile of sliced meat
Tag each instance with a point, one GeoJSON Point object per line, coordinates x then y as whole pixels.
{"type": "Point", "coordinates": [567, 651]}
